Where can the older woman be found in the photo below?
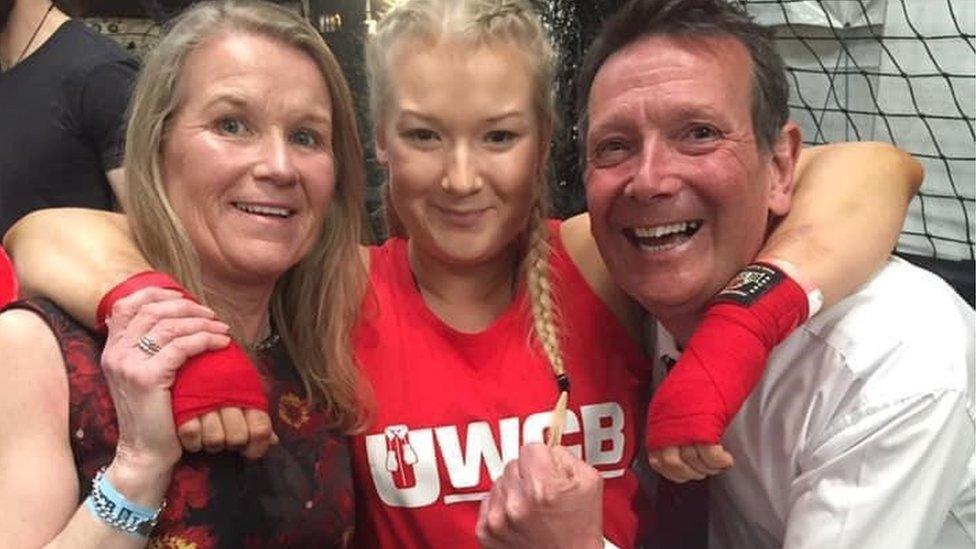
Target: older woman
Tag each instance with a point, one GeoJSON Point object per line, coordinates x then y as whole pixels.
{"type": "Point", "coordinates": [245, 172]}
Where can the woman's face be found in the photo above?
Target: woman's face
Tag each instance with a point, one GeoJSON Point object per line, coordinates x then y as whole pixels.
{"type": "Point", "coordinates": [463, 146]}
{"type": "Point", "coordinates": [247, 157]}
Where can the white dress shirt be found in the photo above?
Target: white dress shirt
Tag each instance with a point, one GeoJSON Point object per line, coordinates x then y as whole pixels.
{"type": "Point", "coordinates": [861, 433]}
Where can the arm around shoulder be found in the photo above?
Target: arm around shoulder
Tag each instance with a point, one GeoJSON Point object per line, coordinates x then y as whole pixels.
{"type": "Point", "coordinates": [73, 256]}
{"type": "Point", "coordinates": [582, 250]}
{"type": "Point", "coordinates": [847, 212]}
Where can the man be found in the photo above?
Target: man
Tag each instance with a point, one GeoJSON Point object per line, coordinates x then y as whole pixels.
{"type": "Point", "coordinates": [64, 91]}
{"type": "Point", "coordinates": [861, 431]}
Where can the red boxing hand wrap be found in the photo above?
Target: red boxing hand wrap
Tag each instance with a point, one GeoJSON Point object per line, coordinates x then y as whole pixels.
{"type": "Point", "coordinates": [208, 381]}
{"type": "Point", "coordinates": [725, 357]}
{"type": "Point", "coordinates": [8, 279]}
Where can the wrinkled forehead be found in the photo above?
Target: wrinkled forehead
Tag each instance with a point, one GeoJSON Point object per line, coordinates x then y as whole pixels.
{"type": "Point", "coordinates": [694, 68]}
{"type": "Point", "coordinates": [234, 59]}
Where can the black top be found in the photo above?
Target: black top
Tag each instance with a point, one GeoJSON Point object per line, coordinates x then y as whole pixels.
{"type": "Point", "coordinates": [300, 494]}
{"type": "Point", "coordinates": [62, 112]}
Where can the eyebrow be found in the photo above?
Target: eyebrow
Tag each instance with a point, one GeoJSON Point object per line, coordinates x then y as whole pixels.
{"type": "Point", "coordinates": [490, 120]}
{"type": "Point", "coordinates": [233, 99]}
{"type": "Point", "coordinates": [619, 118]}
{"type": "Point", "coordinates": [503, 116]}
{"type": "Point", "coordinates": [239, 101]}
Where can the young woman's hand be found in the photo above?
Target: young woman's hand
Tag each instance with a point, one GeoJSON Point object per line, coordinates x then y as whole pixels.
{"type": "Point", "coordinates": [245, 430]}
{"type": "Point", "coordinates": [691, 462]}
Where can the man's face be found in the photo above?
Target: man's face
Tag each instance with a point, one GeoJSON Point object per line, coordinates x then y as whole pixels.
{"type": "Point", "coordinates": [679, 193]}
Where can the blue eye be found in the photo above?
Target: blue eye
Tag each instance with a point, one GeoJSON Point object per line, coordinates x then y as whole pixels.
{"type": "Point", "coordinates": [305, 138]}
{"type": "Point", "coordinates": [230, 126]}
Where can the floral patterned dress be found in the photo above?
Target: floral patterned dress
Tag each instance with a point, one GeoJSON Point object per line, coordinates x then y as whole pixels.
{"type": "Point", "coordinates": [299, 495]}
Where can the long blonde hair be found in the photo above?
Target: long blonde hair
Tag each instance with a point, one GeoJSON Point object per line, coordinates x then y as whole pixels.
{"type": "Point", "coordinates": [315, 304]}
{"type": "Point", "coordinates": [485, 22]}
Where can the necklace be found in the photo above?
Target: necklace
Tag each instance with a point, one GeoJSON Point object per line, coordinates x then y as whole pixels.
{"type": "Point", "coordinates": [266, 343]}
{"type": "Point", "coordinates": [33, 36]}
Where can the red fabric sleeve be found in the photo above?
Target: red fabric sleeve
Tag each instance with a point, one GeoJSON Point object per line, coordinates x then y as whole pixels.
{"type": "Point", "coordinates": [722, 362]}
{"type": "Point", "coordinates": [208, 381]}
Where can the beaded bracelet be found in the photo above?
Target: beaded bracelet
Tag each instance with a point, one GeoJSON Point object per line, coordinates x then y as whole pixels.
{"type": "Point", "coordinates": [106, 503]}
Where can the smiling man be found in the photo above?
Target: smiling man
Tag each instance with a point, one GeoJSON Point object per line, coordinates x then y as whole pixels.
{"type": "Point", "coordinates": [861, 431]}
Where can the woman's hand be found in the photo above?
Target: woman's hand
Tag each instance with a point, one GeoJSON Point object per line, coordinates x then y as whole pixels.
{"type": "Point", "coordinates": [139, 375]}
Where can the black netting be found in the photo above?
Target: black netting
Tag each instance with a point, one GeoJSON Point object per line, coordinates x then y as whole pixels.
{"type": "Point", "coordinates": [573, 25]}
{"type": "Point", "coordinates": [898, 71]}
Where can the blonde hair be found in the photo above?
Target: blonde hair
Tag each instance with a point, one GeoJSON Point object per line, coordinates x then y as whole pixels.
{"type": "Point", "coordinates": [480, 23]}
{"type": "Point", "coordinates": [315, 304]}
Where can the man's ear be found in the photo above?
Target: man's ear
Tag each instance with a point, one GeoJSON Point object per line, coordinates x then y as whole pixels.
{"type": "Point", "coordinates": [785, 153]}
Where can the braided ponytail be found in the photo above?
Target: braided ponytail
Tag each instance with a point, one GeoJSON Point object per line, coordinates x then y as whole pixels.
{"type": "Point", "coordinates": [545, 314]}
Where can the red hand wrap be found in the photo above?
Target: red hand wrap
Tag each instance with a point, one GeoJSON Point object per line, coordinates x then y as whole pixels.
{"type": "Point", "coordinates": [207, 381]}
{"type": "Point", "coordinates": [8, 279]}
{"type": "Point", "coordinates": [724, 358]}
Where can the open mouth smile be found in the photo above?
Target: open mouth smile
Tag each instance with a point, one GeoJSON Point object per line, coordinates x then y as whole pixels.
{"type": "Point", "coordinates": [658, 238]}
{"type": "Point", "coordinates": [262, 210]}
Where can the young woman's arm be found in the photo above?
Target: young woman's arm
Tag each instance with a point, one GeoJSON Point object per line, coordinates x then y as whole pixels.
{"type": "Point", "coordinates": [73, 256]}
{"type": "Point", "coordinates": [848, 209]}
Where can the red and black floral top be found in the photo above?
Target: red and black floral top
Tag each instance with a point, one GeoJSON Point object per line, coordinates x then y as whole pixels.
{"type": "Point", "coordinates": [299, 495]}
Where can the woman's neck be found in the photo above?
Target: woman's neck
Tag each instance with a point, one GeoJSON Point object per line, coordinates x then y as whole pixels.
{"type": "Point", "coordinates": [469, 298]}
{"type": "Point", "coordinates": [244, 306]}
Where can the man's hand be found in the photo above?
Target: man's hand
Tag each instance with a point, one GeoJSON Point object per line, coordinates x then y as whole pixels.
{"type": "Point", "coordinates": [545, 498]}
{"type": "Point", "coordinates": [692, 462]}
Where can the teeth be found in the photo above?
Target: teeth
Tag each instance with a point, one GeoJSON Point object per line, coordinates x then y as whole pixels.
{"type": "Point", "coordinates": [262, 210]}
{"type": "Point", "coordinates": [665, 230]}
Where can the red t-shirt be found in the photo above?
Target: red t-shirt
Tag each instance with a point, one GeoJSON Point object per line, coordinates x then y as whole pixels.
{"type": "Point", "coordinates": [452, 407]}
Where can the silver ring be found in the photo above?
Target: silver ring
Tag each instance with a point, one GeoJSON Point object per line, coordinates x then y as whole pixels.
{"type": "Point", "coordinates": [148, 345]}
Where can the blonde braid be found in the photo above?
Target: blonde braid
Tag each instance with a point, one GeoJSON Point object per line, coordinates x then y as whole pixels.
{"type": "Point", "coordinates": [545, 314]}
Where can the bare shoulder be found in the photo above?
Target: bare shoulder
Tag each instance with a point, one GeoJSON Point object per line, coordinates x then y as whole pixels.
{"type": "Point", "coordinates": [35, 379]}
{"type": "Point", "coordinates": [581, 247]}
{"type": "Point", "coordinates": [33, 433]}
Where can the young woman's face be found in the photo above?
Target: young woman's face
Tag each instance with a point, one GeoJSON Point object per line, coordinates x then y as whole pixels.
{"type": "Point", "coordinates": [463, 147]}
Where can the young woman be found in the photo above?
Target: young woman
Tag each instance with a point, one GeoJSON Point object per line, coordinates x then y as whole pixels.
{"type": "Point", "coordinates": [480, 309]}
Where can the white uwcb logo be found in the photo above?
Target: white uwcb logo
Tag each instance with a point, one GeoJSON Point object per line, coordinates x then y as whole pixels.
{"type": "Point", "coordinates": [403, 461]}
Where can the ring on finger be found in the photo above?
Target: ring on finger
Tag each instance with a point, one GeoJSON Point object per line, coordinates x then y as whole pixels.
{"type": "Point", "coordinates": [148, 345]}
